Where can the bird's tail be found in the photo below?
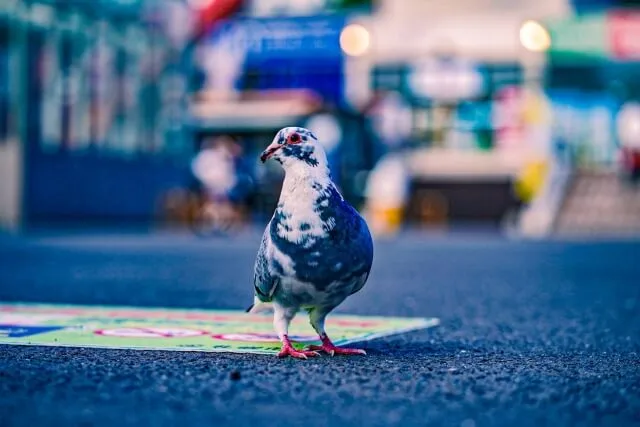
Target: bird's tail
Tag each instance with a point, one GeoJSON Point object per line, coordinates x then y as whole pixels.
{"type": "Point", "coordinates": [259, 307]}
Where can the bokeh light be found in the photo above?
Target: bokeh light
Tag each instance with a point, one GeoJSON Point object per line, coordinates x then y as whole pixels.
{"type": "Point", "coordinates": [355, 40]}
{"type": "Point", "coordinates": [534, 36]}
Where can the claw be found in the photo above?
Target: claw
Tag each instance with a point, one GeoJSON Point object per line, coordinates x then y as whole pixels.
{"type": "Point", "coordinates": [297, 354]}
{"type": "Point", "coordinates": [288, 350]}
{"type": "Point", "coordinates": [329, 348]}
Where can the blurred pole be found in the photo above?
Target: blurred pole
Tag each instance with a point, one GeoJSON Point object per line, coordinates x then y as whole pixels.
{"type": "Point", "coordinates": [94, 40]}
{"type": "Point", "coordinates": [66, 61]}
{"type": "Point", "coordinates": [17, 102]}
{"type": "Point", "coordinates": [26, 132]}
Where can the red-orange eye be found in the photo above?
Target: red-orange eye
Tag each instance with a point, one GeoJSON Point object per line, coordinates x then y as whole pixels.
{"type": "Point", "coordinates": [294, 139]}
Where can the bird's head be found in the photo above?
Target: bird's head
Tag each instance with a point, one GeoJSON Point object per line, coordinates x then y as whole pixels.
{"type": "Point", "coordinates": [295, 147]}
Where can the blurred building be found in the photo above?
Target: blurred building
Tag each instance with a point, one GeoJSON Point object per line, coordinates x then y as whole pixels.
{"type": "Point", "coordinates": [281, 64]}
{"type": "Point", "coordinates": [456, 78]}
{"type": "Point", "coordinates": [592, 86]}
{"type": "Point", "coordinates": [485, 110]}
{"type": "Point", "coordinates": [493, 96]}
{"type": "Point", "coordinates": [90, 97]}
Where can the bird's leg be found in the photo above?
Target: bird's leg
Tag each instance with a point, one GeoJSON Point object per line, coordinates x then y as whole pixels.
{"type": "Point", "coordinates": [317, 318]}
{"type": "Point", "coordinates": [288, 350]}
{"type": "Point", "coordinates": [281, 319]}
{"type": "Point", "coordinates": [330, 348]}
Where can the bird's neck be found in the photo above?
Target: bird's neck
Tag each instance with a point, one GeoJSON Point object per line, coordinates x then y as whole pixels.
{"type": "Point", "coordinates": [300, 170]}
{"type": "Point", "coordinates": [305, 196]}
{"type": "Point", "coordinates": [305, 182]}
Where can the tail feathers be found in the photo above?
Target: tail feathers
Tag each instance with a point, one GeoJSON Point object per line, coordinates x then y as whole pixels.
{"type": "Point", "coordinates": [259, 307]}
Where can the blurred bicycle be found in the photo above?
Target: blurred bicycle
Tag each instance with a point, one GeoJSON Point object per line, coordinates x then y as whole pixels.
{"type": "Point", "coordinates": [214, 218]}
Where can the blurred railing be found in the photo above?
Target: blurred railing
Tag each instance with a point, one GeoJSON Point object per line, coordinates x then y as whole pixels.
{"type": "Point", "coordinates": [539, 217]}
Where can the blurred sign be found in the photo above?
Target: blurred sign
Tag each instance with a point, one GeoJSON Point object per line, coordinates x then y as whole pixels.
{"type": "Point", "coordinates": [303, 7]}
{"type": "Point", "coordinates": [624, 34]}
{"type": "Point", "coordinates": [449, 79]}
{"type": "Point", "coordinates": [596, 36]}
{"type": "Point", "coordinates": [288, 38]}
{"type": "Point", "coordinates": [581, 37]}
{"type": "Point", "coordinates": [281, 53]}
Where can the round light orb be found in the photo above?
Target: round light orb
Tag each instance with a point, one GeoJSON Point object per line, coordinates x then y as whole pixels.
{"type": "Point", "coordinates": [355, 40]}
{"type": "Point", "coordinates": [534, 36]}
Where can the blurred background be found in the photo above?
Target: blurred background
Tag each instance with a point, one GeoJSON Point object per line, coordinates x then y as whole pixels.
{"type": "Point", "coordinates": [516, 115]}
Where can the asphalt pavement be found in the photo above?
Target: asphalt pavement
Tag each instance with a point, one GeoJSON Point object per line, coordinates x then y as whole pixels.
{"type": "Point", "coordinates": [532, 334]}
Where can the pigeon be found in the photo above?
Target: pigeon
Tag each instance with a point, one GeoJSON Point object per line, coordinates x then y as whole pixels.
{"type": "Point", "coordinates": [315, 251]}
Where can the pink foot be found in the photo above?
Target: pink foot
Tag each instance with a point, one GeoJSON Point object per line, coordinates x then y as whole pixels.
{"type": "Point", "coordinates": [329, 348]}
{"type": "Point", "coordinates": [288, 350]}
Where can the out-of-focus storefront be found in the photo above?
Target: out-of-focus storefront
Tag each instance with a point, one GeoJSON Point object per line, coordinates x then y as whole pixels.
{"type": "Point", "coordinates": [456, 90]}
{"type": "Point", "coordinates": [267, 70]}
{"type": "Point", "coordinates": [593, 68]}
{"type": "Point", "coordinates": [89, 110]}
{"type": "Point", "coordinates": [11, 151]}
{"type": "Point", "coordinates": [591, 85]}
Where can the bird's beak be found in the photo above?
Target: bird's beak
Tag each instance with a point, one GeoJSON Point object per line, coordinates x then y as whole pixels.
{"type": "Point", "coordinates": [268, 152]}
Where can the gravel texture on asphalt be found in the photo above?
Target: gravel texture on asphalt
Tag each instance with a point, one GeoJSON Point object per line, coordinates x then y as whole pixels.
{"type": "Point", "coordinates": [532, 333]}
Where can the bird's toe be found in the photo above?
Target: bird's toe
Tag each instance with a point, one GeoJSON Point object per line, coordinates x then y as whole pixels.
{"type": "Point", "coordinates": [297, 354]}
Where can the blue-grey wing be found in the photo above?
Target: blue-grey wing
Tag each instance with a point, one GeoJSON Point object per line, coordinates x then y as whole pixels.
{"type": "Point", "coordinates": [362, 282]}
{"type": "Point", "coordinates": [264, 281]}
{"type": "Point", "coordinates": [365, 248]}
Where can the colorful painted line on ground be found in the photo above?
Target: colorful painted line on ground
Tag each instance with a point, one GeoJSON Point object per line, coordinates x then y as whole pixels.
{"type": "Point", "coordinates": [180, 330]}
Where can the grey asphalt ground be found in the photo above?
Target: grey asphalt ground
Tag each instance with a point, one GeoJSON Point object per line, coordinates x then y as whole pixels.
{"type": "Point", "coordinates": [532, 334]}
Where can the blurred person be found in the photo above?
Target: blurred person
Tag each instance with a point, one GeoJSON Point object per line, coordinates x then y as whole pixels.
{"type": "Point", "coordinates": [223, 181]}
{"type": "Point", "coordinates": [213, 167]}
{"type": "Point", "coordinates": [387, 194]}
